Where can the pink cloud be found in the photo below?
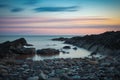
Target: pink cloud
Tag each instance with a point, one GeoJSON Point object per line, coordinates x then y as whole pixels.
{"type": "Point", "coordinates": [53, 31]}
{"type": "Point", "coordinates": [24, 20]}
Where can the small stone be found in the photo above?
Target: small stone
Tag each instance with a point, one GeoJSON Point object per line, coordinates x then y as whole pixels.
{"type": "Point", "coordinates": [42, 76]}
{"type": "Point", "coordinates": [33, 78]}
{"type": "Point", "coordinates": [75, 48]}
{"type": "Point", "coordinates": [25, 65]}
{"type": "Point", "coordinates": [66, 47]}
{"type": "Point", "coordinates": [53, 79]}
{"type": "Point", "coordinates": [3, 71]}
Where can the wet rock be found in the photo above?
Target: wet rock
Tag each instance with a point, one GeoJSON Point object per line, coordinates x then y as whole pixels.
{"type": "Point", "coordinates": [3, 67]}
{"type": "Point", "coordinates": [33, 78]}
{"type": "Point", "coordinates": [19, 62]}
{"type": "Point", "coordinates": [29, 51]}
{"type": "Point", "coordinates": [105, 64]}
{"type": "Point", "coordinates": [8, 49]}
{"type": "Point", "coordinates": [10, 62]}
{"type": "Point", "coordinates": [75, 48]}
{"type": "Point", "coordinates": [76, 77]}
{"type": "Point", "coordinates": [52, 74]}
{"type": "Point", "coordinates": [25, 66]}
{"type": "Point", "coordinates": [65, 77]}
{"type": "Point", "coordinates": [19, 42]}
{"type": "Point", "coordinates": [66, 47]}
{"type": "Point", "coordinates": [53, 79]}
{"type": "Point", "coordinates": [47, 51]}
{"type": "Point", "coordinates": [14, 76]}
{"type": "Point", "coordinates": [93, 62]}
{"type": "Point", "coordinates": [42, 76]}
{"type": "Point", "coordinates": [3, 72]}
{"type": "Point", "coordinates": [60, 39]}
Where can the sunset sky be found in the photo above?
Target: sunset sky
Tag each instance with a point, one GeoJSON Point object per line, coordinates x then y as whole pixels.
{"type": "Point", "coordinates": [58, 17]}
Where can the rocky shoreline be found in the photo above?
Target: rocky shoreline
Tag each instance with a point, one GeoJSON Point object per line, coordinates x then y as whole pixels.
{"type": "Point", "coordinates": [88, 68]}
{"type": "Point", "coordinates": [11, 49]}
{"type": "Point", "coordinates": [107, 43]}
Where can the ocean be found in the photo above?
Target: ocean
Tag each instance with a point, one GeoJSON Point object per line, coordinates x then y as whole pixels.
{"type": "Point", "coordinates": [44, 41]}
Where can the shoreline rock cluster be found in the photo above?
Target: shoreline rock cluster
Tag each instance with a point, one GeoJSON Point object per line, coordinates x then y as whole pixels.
{"type": "Point", "coordinates": [21, 47]}
{"type": "Point", "coordinates": [16, 47]}
{"type": "Point", "coordinates": [107, 43]}
{"type": "Point", "coordinates": [107, 68]}
{"type": "Point", "coordinates": [60, 39]}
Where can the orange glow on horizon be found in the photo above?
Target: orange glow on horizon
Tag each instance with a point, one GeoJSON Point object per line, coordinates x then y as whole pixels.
{"type": "Point", "coordinates": [73, 31]}
{"type": "Point", "coordinates": [65, 27]}
{"type": "Point", "coordinates": [52, 22]}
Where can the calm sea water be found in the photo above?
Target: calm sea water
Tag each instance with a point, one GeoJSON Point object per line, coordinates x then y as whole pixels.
{"type": "Point", "coordinates": [40, 42]}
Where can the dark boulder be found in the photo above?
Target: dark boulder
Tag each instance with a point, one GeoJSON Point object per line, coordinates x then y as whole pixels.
{"type": "Point", "coordinates": [60, 39]}
{"type": "Point", "coordinates": [66, 47]}
{"type": "Point", "coordinates": [19, 43]}
{"type": "Point", "coordinates": [75, 48]}
{"type": "Point", "coordinates": [48, 51]}
{"type": "Point", "coordinates": [13, 47]}
{"type": "Point", "coordinates": [24, 51]}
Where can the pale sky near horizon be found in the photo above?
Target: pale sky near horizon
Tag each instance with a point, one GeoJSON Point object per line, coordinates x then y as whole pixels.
{"type": "Point", "coordinates": [58, 17]}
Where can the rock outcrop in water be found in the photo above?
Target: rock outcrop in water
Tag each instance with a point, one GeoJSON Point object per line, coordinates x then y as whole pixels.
{"type": "Point", "coordinates": [66, 47]}
{"type": "Point", "coordinates": [15, 47]}
{"type": "Point", "coordinates": [48, 51]}
{"type": "Point", "coordinates": [105, 43]}
{"type": "Point", "coordinates": [60, 39]}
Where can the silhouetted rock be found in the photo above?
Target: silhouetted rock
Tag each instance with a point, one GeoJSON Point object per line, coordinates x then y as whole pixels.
{"type": "Point", "coordinates": [19, 43]}
{"type": "Point", "coordinates": [8, 48]}
{"type": "Point", "coordinates": [75, 48]}
{"type": "Point", "coordinates": [66, 47]}
{"type": "Point", "coordinates": [25, 51]}
{"type": "Point", "coordinates": [48, 51]}
{"type": "Point", "coordinates": [60, 39]}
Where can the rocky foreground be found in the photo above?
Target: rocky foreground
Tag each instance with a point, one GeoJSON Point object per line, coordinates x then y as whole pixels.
{"type": "Point", "coordinates": [107, 68]}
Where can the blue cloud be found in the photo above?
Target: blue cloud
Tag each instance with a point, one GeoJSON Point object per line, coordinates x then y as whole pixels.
{"type": "Point", "coordinates": [56, 9]}
{"type": "Point", "coordinates": [17, 10]}
{"type": "Point", "coordinates": [31, 2]}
